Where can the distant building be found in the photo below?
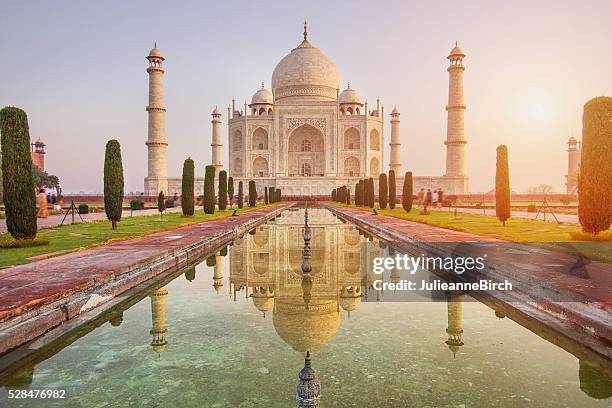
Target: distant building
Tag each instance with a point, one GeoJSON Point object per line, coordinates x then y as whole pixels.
{"type": "Point", "coordinates": [37, 152]}
{"type": "Point", "coordinates": [574, 149]}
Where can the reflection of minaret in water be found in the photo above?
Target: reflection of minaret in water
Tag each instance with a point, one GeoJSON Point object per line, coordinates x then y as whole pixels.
{"type": "Point", "coordinates": [158, 318]}
{"type": "Point", "coordinates": [308, 393]}
{"type": "Point", "coordinates": [218, 273]}
{"type": "Point", "coordinates": [455, 324]}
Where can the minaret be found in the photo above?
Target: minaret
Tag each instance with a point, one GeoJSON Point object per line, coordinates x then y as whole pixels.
{"type": "Point", "coordinates": [218, 273]}
{"type": "Point", "coordinates": [573, 164]}
{"type": "Point", "coordinates": [216, 141]}
{"type": "Point", "coordinates": [158, 318]}
{"type": "Point", "coordinates": [455, 322]}
{"type": "Point", "coordinates": [455, 138]}
{"type": "Point", "coordinates": [395, 145]}
{"type": "Point", "coordinates": [157, 178]}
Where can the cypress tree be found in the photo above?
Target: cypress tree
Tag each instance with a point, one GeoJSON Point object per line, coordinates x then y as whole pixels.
{"type": "Point", "coordinates": [359, 193]}
{"type": "Point", "coordinates": [383, 191]}
{"type": "Point", "coordinates": [407, 192]}
{"type": "Point", "coordinates": [502, 185]}
{"type": "Point", "coordinates": [348, 196]}
{"type": "Point", "coordinates": [209, 190]}
{"type": "Point", "coordinates": [279, 195]}
{"type": "Point", "coordinates": [17, 183]}
{"type": "Point", "coordinates": [333, 195]}
{"type": "Point", "coordinates": [266, 199]}
{"type": "Point", "coordinates": [113, 183]}
{"type": "Point", "coordinates": [187, 188]}
{"type": "Point", "coordinates": [392, 189]}
{"type": "Point", "coordinates": [240, 195]}
{"type": "Point", "coordinates": [595, 177]}
{"type": "Point", "coordinates": [161, 203]}
{"type": "Point", "coordinates": [356, 194]}
{"type": "Point", "coordinates": [371, 197]}
{"type": "Point", "coordinates": [271, 195]}
{"type": "Point", "coordinates": [222, 190]}
{"type": "Point", "coordinates": [252, 193]}
{"type": "Point", "coordinates": [230, 190]}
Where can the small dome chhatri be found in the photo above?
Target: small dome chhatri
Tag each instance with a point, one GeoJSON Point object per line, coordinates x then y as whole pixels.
{"type": "Point", "coordinates": [155, 53]}
{"type": "Point", "coordinates": [350, 96]}
{"type": "Point", "coordinates": [456, 52]}
{"type": "Point", "coordinates": [305, 72]}
{"type": "Point", "coordinates": [262, 96]}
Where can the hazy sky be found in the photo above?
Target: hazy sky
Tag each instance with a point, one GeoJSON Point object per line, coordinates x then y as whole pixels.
{"type": "Point", "coordinates": [78, 69]}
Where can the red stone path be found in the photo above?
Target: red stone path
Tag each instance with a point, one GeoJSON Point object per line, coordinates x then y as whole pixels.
{"type": "Point", "coordinates": [563, 273]}
{"type": "Point", "coordinates": [27, 287]}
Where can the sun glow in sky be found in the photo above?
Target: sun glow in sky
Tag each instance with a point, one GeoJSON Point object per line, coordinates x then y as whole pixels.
{"type": "Point", "coordinates": [78, 69]}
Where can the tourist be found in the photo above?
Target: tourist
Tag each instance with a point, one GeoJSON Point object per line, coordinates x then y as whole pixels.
{"type": "Point", "coordinates": [428, 198]}
{"type": "Point", "coordinates": [434, 198]}
{"type": "Point", "coordinates": [440, 197]}
{"type": "Point", "coordinates": [142, 201]}
{"type": "Point", "coordinates": [421, 196]}
{"type": "Point", "coordinates": [174, 200]}
{"type": "Point", "coordinates": [42, 203]}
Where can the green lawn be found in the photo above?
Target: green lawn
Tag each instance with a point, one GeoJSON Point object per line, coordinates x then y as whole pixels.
{"type": "Point", "coordinates": [539, 233]}
{"type": "Point", "coordinates": [74, 237]}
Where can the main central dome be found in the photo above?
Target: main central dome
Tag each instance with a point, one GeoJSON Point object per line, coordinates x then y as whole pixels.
{"type": "Point", "coordinates": [305, 73]}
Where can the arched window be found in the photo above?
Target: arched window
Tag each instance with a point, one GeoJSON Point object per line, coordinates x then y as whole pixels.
{"type": "Point", "coordinates": [237, 166]}
{"type": "Point", "coordinates": [351, 139]}
{"type": "Point", "coordinates": [260, 139]}
{"type": "Point", "coordinates": [260, 167]}
{"type": "Point", "coordinates": [374, 167]}
{"type": "Point", "coordinates": [374, 140]}
{"type": "Point", "coordinates": [237, 141]}
{"type": "Point", "coordinates": [306, 145]}
{"type": "Point", "coordinates": [306, 169]}
{"type": "Point", "coordinates": [351, 167]}
{"type": "Point", "coordinates": [262, 111]}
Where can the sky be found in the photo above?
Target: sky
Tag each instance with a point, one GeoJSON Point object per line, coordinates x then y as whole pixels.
{"type": "Point", "coordinates": [79, 71]}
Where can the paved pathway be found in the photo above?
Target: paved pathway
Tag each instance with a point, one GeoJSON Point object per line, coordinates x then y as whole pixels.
{"type": "Point", "coordinates": [534, 266]}
{"type": "Point", "coordinates": [27, 287]}
{"type": "Point", "coordinates": [55, 220]}
{"type": "Point", "coordinates": [564, 218]}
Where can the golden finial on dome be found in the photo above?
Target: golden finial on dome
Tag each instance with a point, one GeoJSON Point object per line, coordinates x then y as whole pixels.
{"type": "Point", "coordinates": [305, 30]}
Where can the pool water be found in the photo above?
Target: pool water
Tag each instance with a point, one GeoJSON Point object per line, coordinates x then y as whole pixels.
{"type": "Point", "coordinates": [233, 332]}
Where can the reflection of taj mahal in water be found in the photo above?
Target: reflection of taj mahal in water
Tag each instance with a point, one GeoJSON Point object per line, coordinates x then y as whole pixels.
{"type": "Point", "coordinates": [304, 135]}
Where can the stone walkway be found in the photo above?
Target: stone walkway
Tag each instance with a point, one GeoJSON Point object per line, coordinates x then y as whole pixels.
{"type": "Point", "coordinates": [55, 220]}
{"type": "Point", "coordinates": [564, 218]}
{"type": "Point", "coordinates": [47, 284]}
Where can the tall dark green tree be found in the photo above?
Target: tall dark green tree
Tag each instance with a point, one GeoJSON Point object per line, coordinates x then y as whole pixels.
{"type": "Point", "coordinates": [17, 184]}
{"type": "Point", "coordinates": [407, 192]}
{"type": "Point", "coordinates": [348, 196]}
{"type": "Point", "coordinates": [187, 188]}
{"type": "Point", "coordinates": [271, 195]}
{"type": "Point", "coordinates": [356, 201]}
{"type": "Point", "coordinates": [266, 198]}
{"type": "Point", "coordinates": [502, 185]}
{"type": "Point", "coordinates": [371, 197]}
{"type": "Point", "coordinates": [252, 193]}
{"type": "Point", "coordinates": [595, 177]}
{"type": "Point", "coordinates": [334, 194]}
{"type": "Point", "coordinates": [360, 195]}
{"type": "Point", "coordinates": [383, 191]}
{"type": "Point", "coordinates": [392, 189]}
{"type": "Point", "coordinates": [209, 189]}
{"type": "Point", "coordinates": [230, 190]}
{"type": "Point", "coordinates": [240, 195]}
{"type": "Point", "coordinates": [222, 189]}
{"type": "Point", "coordinates": [113, 183]}
{"type": "Point", "coordinates": [161, 203]}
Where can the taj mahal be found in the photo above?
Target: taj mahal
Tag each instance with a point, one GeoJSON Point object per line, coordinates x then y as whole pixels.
{"type": "Point", "coordinates": [306, 136]}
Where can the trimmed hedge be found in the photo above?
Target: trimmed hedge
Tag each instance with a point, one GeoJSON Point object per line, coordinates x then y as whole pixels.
{"type": "Point", "coordinates": [392, 190]}
{"type": "Point", "coordinates": [222, 190]}
{"type": "Point", "coordinates": [209, 190]}
{"type": "Point", "coordinates": [18, 185]}
{"type": "Point", "coordinates": [240, 195]}
{"type": "Point", "coordinates": [407, 194]}
{"type": "Point", "coordinates": [252, 193]}
{"type": "Point", "coordinates": [230, 190]}
{"type": "Point", "coordinates": [83, 209]}
{"type": "Point", "coordinates": [502, 185]}
{"type": "Point", "coordinates": [113, 183]}
{"type": "Point", "coordinates": [371, 197]}
{"type": "Point", "coordinates": [187, 187]}
{"type": "Point", "coordinates": [266, 195]}
{"type": "Point", "coordinates": [134, 204]}
{"type": "Point", "coordinates": [383, 191]}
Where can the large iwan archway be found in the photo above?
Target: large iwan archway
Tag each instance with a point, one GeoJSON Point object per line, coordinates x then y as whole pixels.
{"type": "Point", "coordinates": [306, 152]}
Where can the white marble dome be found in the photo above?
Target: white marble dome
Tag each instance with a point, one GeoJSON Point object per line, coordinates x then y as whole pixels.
{"type": "Point", "coordinates": [306, 72]}
{"type": "Point", "coordinates": [263, 96]}
{"type": "Point", "coordinates": [156, 53]}
{"type": "Point", "coordinates": [349, 96]}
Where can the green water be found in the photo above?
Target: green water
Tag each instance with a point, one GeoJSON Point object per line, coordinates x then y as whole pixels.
{"type": "Point", "coordinates": [206, 342]}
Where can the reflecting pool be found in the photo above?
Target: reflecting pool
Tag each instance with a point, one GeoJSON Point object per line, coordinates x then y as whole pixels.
{"type": "Point", "coordinates": [234, 331]}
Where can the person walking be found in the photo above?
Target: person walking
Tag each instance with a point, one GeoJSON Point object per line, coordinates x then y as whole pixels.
{"type": "Point", "coordinates": [434, 198]}
{"type": "Point", "coordinates": [421, 196]}
{"type": "Point", "coordinates": [428, 199]}
{"type": "Point", "coordinates": [440, 197]}
{"type": "Point", "coordinates": [42, 204]}
{"type": "Point", "coordinates": [174, 200]}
